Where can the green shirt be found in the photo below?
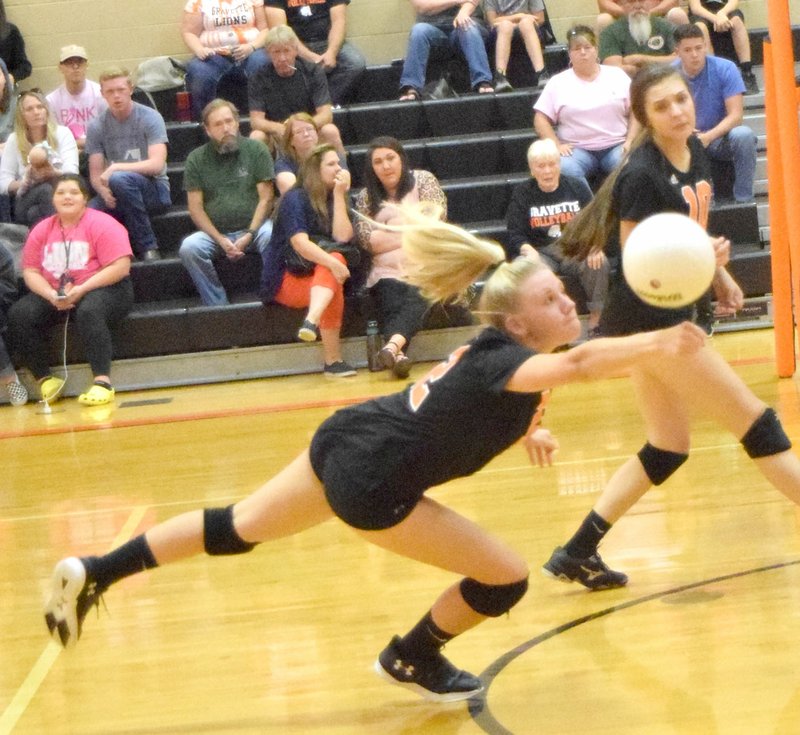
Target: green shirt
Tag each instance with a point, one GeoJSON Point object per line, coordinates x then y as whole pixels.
{"type": "Point", "coordinates": [228, 182]}
{"type": "Point", "coordinates": [615, 40]}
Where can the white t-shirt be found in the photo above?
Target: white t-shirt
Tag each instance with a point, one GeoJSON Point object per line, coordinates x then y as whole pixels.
{"type": "Point", "coordinates": [76, 111]}
{"type": "Point", "coordinates": [12, 165]}
{"type": "Point", "coordinates": [591, 115]}
{"type": "Point", "coordinates": [226, 22]}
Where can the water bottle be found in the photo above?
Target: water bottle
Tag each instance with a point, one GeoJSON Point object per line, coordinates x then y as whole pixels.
{"type": "Point", "coordinates": [374, 346]}
{"type": "Point", "coordinates": [183, 106]}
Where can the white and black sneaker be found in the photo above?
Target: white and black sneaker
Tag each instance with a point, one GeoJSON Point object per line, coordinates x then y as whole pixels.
{"type": "Point", "coordinates": [339, 369]}
{"type": "Point", "coordinates": [17, 393]}
{"type": "Point", "coordinates": [308, 332]}
{"type": "Point", "coordinates": [591, 572]}
{"type": "Point", "coordinates": [434, 678]}
{"type": "Point", "coordinates": [73, 593]}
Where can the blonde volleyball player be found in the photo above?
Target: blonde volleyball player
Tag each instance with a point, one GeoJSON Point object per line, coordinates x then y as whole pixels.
{"type": "Point", "coordinates": [666, 172]}
{"type": "Point", "coordinates": [371, 464]}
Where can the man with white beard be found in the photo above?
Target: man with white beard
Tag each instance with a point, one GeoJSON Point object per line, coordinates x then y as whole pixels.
{"type": "Point", "coordinates": [637, 39]}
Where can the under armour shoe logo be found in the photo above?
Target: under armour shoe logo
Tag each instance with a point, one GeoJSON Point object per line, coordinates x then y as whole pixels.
{"type": "Point", "coordinates": [407, 670]}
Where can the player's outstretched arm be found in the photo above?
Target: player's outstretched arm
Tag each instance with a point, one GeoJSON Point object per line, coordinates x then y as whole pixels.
{"type": "Point", "coordinates": [604, 357]}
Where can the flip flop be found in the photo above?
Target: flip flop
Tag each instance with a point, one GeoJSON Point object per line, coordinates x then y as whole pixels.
{"type": "Point", "coordinates": [408, 94]}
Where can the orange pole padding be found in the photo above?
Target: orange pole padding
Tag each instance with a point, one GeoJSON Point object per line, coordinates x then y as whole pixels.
{"type": "Point", "coordinates": [780, 258]}
{"type": "Point", "coordinates": [784, 106]}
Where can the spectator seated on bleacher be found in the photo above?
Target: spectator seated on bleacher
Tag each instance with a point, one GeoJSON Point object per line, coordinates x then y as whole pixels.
{"type": "Point", "coordinates": [321, 28]}
{"type": "Point", "coordinates": [303, 266]}
{"type": "Point", "coordinates": [389, 183]}
{"type": "Point", "coordinates": [507, 17]}
{"type": "Point", "coordinates": [12, 49]}
{"type": "Point", "coordinates": [225, 38]}
{"type": "Point", "coordinates": [724, 24]}
{"type": "Point", "coordinates": [228, 183]}
{"type": "Point", "coordinates": [127, 149]}
{"type": "Point", "coordinates": [15, 391]}
{"type": "Point", "coordinates": [300, 137]}
{"type": "Point", "coordinates": [75, 263]}
{"type": "Point", "coordinates": [612, 10]}
{"type": "Point", "coordinates": [718, 92]}
{"type": "Point", "coordinates": [8, 107]}
{"type": "Point", "coordinates": [78, 101]}
{"type": "Point", "coordinates": [35, 154]}
{"type": "Point", "coordinates": [637, 39]}
{"type": "Point", "coordinates": [585, 111]}
{"type": "Point", "coordinates": [287, 85]}
{"type": "Point", "coordinates": [444, 27]}
{"type": "Point", "coordinates": [539, 210]}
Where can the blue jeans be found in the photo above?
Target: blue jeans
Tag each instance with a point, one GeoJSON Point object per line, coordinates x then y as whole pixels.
{"type": "Point", "coordinates": [343, 78]}
{"type": "Point", "coordinates": [137, 198]}
{"type": "Point", "coordinates": [582, 163]}
{"type": "Point", "coordinates": [202, 77]}
{"type": "Point", "coordinates": [426, 39]}
{"type": "Point", "coordinates": [738, 146]}
{"type": "Point", "coordinates": [197, 253]}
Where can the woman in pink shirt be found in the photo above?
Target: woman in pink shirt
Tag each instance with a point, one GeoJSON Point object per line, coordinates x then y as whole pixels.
{"type": "Point", "coordinates": [585, 110]}
{"type": "Point", "coordinates": [391, 182]}
{"type": "Point", "coordinates": [76, 265]}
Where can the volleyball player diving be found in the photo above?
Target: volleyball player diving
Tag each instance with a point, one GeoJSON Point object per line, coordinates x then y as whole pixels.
{"type": "Point", "coordinates": [371, 464]}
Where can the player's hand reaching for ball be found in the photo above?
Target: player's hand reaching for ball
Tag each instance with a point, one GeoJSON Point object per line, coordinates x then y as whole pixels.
{"type": "Point", "coordinates": [682, 339]}
{"type": "Point", "coordinates": [722, 250]}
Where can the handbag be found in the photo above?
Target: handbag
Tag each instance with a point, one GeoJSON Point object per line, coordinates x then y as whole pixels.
{"type": "Point", "coordinates": [297, 265]}
{"type": "Point", "coordinates": [159, 74]}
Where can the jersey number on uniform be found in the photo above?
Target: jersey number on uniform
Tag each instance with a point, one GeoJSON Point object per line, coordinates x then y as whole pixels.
{"type": "Point", "coordinates": [699, 201]}
{"type": "Point", "coordinates": [421, 389]}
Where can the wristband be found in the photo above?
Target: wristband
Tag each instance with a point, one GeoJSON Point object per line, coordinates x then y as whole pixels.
{"type": "Point", "coordinates": [252, 233]}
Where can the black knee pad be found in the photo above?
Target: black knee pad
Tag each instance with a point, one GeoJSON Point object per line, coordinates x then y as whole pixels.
{"type": "Point", "coordinates": [659, 464]}
{"type": "Point", "coordinates": [766, 436]}
{"type": "Point", "coordinates": [219, 535]}
{"type": "Point", "coordinates": [492, 600]}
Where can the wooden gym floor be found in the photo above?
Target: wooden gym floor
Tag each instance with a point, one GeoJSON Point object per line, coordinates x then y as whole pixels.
{"type": "Point", "coordinates": [704, 639]}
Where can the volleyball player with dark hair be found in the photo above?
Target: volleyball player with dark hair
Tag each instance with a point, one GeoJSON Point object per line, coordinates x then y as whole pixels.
{"type": "Point", "coordinates": [665, 172]}
{"type": "Point", "coordinates": [371, 464]}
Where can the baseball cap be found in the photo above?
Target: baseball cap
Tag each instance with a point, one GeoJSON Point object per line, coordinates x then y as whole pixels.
{"type": "Point", "coordinates": [72, 51]}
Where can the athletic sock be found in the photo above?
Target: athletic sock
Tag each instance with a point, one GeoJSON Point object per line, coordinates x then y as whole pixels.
{"type": "Point", "coordinates": [587, 538]}
{"type": "Point", "coordinates": [746, 67]}
{"type": "Point", "coordinates": [425, 639]}
{"type": "Point", "coordinates": [130, 558]}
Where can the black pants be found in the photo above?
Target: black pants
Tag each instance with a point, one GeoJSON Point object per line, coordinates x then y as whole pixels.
{"type": "Point", "coordinates": [34, 205]}
{"type": "Point", "coordinates": [400, 306]}
{"type": "Point", "coordinates": [96, 314]}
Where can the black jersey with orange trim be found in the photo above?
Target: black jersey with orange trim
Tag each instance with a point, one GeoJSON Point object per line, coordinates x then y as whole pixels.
{"type": "Point", "coordinates": [649, 184]}
{"type": "Point", "coordinates": [377, 459]}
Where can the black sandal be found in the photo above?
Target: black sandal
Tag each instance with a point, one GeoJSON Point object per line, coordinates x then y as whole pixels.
{"type": "Point", "coordinates": [409, 94]}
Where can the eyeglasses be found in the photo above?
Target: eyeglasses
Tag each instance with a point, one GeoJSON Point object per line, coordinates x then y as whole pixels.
{"type": "Point", "coordinates": [33, 90]}
{"type": "Point", "coordinates": [75, 62]}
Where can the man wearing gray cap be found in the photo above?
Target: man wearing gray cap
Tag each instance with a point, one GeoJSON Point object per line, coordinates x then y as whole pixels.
{"type": "Point", "coordinates": [78, 101]}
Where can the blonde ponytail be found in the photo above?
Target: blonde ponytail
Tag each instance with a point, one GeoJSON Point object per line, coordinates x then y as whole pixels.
{"type": "Point", "coordinates": [442, 260]}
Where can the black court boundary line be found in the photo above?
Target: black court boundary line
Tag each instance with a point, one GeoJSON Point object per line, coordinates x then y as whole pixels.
{"type": "Point", "coordinates": [479, 707]}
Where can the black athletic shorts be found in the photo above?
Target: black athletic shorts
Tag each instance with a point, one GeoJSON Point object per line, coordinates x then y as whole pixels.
{"type": "Point", "coordinates": [353, 471]}
{"type": "Point", "coordinates": [625, 313]}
